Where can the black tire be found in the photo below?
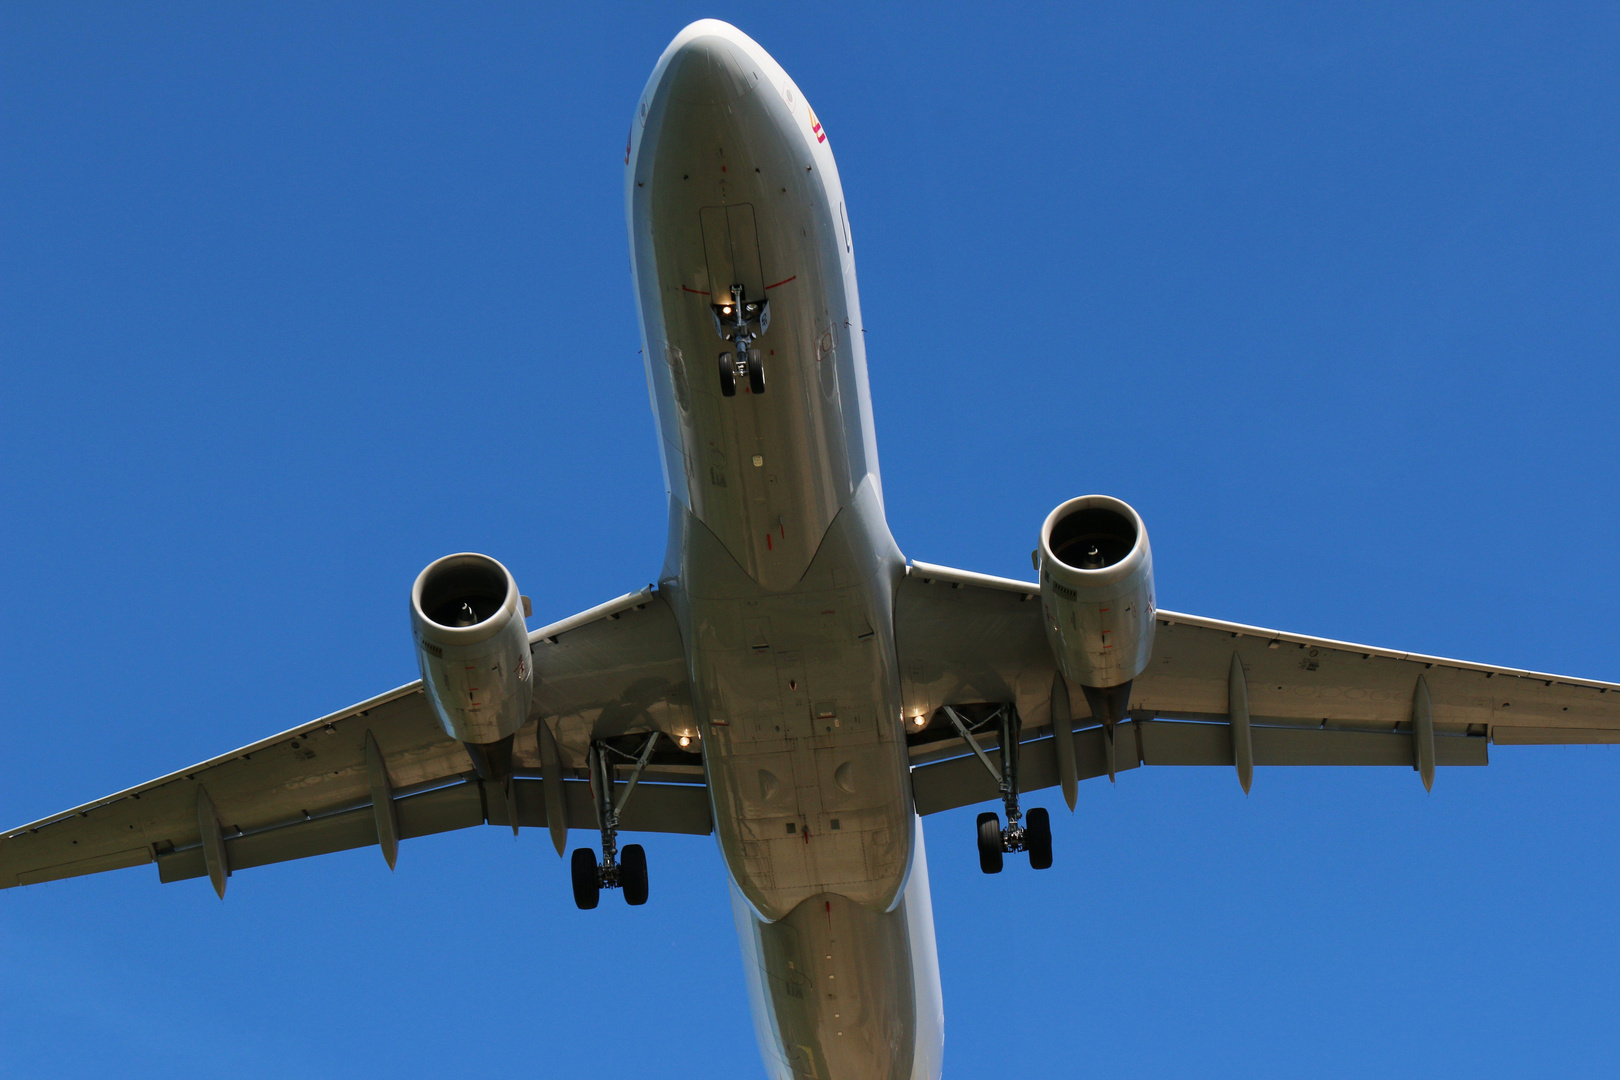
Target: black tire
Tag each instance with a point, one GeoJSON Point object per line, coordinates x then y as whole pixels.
{"type": "Point", "coordinates": [756, 373]}
{"type": "Point", "coordinates": [728, 376]}
{"type": "Point", "coordinates": [587, 886]}
{"type": "Point", "coordinates": [1038, 838]}
{"type": "Point", "coordinates": [989, 843]}
{"type": "Point", "coordinates": [633, 874]}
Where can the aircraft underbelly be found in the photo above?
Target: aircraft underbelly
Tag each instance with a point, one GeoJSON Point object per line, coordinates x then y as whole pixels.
{"type": "Point", "coordinates": [840, 990]}
{"type": "Point", "coordinates": [781, 568]}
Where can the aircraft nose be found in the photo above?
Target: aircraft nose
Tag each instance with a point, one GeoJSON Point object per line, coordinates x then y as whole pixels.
{"type": "Point", "coordinates": [710, 70]}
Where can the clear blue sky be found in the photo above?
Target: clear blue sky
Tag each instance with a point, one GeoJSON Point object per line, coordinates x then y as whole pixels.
{"type": "Point", "coordinates": [294, 299]}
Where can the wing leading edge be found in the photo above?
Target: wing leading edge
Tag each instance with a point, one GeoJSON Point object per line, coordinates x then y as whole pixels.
{"type": "Point", "coordinates": [968, 638]}
{"type": "Point", "coordinates": [384, 770]}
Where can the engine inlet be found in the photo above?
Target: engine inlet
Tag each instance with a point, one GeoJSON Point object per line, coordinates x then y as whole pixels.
{"type": "Point", "coordinates": [463, 590]}
{"type": "Point", "coordinates": [1092, 538]}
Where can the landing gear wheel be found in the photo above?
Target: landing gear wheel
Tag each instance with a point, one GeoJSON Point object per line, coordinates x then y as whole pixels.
{"type": "Point", "coordinates": [728, 376]}
{"type": "Point", "coordinates": [1038, 838]}
{"type": "Point", "coordinates": [633, 874]}
{"type": "Point", "coordinates": [587, 885]}
{"type": "Point", "coordinates": [989, 843]}
{"type": "Point", "coordinates": [756, 372]}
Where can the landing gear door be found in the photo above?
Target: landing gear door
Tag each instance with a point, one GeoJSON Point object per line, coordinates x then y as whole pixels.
{"type": "Point", "coordinates": [731, 245]}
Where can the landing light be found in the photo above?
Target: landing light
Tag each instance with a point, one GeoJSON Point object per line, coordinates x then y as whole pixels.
{"type": "Point", "coordinates": [685, 740]}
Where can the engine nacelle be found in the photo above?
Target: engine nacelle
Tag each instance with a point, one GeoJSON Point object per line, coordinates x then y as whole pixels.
{"type": "Point", "coordinates": [1097, 596]}
{"type": "Point", "coordinates": [473, 649]}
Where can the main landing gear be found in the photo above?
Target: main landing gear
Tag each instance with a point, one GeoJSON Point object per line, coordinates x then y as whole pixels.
{"type": "Point", "coordinates": [1034, 835]}
{"type": "Point", "coordinates": [741, 321]}
{"type": "Point", "coordinates": [627, 869]}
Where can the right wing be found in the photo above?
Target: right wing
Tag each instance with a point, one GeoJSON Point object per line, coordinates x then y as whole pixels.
{"type": "Point", "coordinates": [966, 638]}
{"type": "Point", "coordinates": [616, 672]}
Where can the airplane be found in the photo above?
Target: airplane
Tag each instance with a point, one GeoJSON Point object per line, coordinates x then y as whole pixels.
{"type": "Point", "coordinates": [793, 685]}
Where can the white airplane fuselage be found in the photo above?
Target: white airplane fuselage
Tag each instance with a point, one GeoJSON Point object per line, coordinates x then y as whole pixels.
{"type": "Point", "coordinates": [781, 567]}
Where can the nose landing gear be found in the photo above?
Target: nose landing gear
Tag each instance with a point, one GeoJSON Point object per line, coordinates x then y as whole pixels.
{"type": "Point", "coordinates": [626, 870]}
{"type": "Point", "coordinates": [741, 321]}
{"type": "Point", "coordinates": [1034, 834]}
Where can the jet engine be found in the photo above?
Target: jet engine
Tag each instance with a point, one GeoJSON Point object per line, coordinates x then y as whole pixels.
{"type": "Point", "coordinates": [1096, 572]}
{"type": "Point", "coordinates": [473, 649]}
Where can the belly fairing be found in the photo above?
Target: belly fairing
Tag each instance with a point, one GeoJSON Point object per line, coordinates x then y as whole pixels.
{"type": "Point", "coordinates": [799, 701]}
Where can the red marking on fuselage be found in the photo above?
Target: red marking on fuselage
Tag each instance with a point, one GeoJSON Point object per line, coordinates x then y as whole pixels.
{"type": "Point", "coordinates": [784, 281]}
{"type": "Point", "coordinates": [695, 292]}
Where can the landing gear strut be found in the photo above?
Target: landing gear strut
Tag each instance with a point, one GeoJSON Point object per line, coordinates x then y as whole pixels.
{"type": "Point", "coordinates": [1034, 834]}
{"type": "Point", "coordinates": [625, 870]}
{"type": "Point", "coordinates": [741, 321]}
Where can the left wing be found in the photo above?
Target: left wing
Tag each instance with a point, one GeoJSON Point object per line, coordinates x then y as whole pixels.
{"type": "Point", "coordinates": [966, 638]}
{"type": "Point", "coordinates": [384, 770]}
